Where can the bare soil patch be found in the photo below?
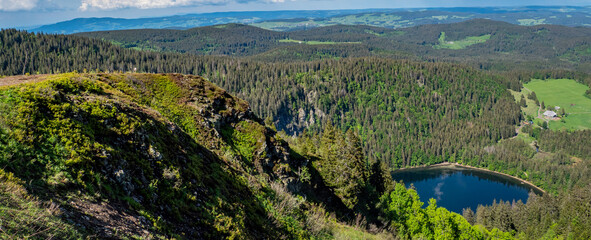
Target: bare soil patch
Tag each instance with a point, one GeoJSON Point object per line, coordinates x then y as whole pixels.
{"type": "Point", "coordinates": [107, 220]}
{"type": "Point", "coordinates": [15, 80]}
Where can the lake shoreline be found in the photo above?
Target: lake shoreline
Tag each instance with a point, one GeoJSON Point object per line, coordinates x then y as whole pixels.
{"type": "Point", "coordinates": [458, 165]}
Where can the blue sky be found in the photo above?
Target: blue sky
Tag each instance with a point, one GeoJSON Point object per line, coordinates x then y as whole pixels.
{"type": "Point", "coordinates": [21, 13]}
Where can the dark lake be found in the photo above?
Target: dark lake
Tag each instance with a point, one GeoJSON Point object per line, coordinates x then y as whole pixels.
{"type": "Point", "coordinates": [455, 187]}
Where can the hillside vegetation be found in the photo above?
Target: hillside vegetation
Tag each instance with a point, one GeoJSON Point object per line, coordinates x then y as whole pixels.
{"type": "Point", "coordinates": [174, 154]}
{"type": "Point", "coordinates": [140, 142]}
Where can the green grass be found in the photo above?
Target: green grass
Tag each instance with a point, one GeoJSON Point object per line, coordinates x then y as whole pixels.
{"type": "Point", "coordinates": [245, 139]}
{"type": "Point", "coordinates": [532, 108]}
{"type": "Point", "coordinates": [342, 231]}
{"type": "Point", "coordinates": [370, 19]}
{"type": "Point", "coordinates": [441, 17]}
{"type": "Point", "coordinates": [567, 94]}
{"type": "Point", "coordinates": [575, 54]}
{"type": "Point", "coordinates": [367, 19]}
{"type": "Point", "coordinates": [23, 216]}
{"type": "Point", "coordinates": [314, 42]}
{"type": "Point", "coordinates": [460, 44]}
{"type": "Point", "coordinates": [525, 137]}
{"type": "Point", "coordinates": [87, 118]}
{"type": "Point", "coordinates": [583, 50]}
{"type": "Point", "coordinates": [531, 22]}
{"type": "Point", "coordinates": [395, 33]}
{"type": "Point", "coordinates": [283, 26]}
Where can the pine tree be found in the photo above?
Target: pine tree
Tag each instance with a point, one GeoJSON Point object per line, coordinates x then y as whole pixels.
{"type": "Point", "coordinates": [562, 112]}
{"type": "Point", "coordinates": [357, 158]}
{"type": "Point", "coordinates": [468, 214]}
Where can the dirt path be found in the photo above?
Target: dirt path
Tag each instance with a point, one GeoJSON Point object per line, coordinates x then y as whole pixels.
{"type": "Point", "coordinates": [539, 115]}
{"type": "Point", "coordinates": [19, 79]}
{"type": "Point", "coordinates": [517, 130]}
{"type": "Point", "coordinates": [107, 220]}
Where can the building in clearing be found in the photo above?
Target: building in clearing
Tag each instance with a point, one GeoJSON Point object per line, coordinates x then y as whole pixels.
{"type": "Point", "coordinates": [550, 114]}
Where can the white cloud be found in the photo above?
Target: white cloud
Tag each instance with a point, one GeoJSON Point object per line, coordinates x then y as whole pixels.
{"type": "Point", "coordinates": [142, 4]}
{"type": "Point", "coordinates": [147, 4]}
{"type": "Point", "coordinates": [15, 5]}
{"type": "Point", "coordinates": [282, 1]}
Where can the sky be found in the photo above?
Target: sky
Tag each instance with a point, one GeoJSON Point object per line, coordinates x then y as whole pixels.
{"type": "Point", "coordinates": [24, 13]}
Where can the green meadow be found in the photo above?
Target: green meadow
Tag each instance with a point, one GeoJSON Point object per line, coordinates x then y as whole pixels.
{"type": "Point", "coordinates": [531, 22]}
{"type": "Point", "coordinates": [531, 109]}
{"type": "Point", "coordinates": [286, 25]}
{"type": "Point", "coordinates": [314, 42]}
{"type": "Point", "coordinates": [460, 44]}
{"type": "Point", "coordinates": [567, 94]}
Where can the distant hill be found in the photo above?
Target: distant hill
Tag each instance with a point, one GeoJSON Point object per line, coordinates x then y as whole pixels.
{"type": "Point", "coordinates": [396, 18]}
{"type": "Point", "coordinates": [484, 43]}
{"type": "Point", "coordinates": [181, 21]}
{"type": "Point", "coordinates": [297, 20]}
{"type": "Point", "coordinates": [230, 39]}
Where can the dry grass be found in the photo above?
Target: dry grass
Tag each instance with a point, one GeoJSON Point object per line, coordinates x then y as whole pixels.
{"type": "Point", "coordinates": [15, 80]}
{"type": "Point", "coordinates": [286, 202]}
{"type": "Point", "coordinates": [23, 216]}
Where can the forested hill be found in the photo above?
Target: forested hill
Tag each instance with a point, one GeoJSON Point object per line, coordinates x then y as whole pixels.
{"type": "Point", "coordinates": [481, 43]}
{"type": "Point", "coordinates": [404, 110]}
{"type": "Point", "coordinates": [183, 21]}
{"type": "Point", "coordinates": [230, 39]}
{"type": "Point", "coordinates": [526, 16]}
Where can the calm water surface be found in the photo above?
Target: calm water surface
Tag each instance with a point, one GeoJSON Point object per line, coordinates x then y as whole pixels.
{"type": "Point", "coordinates": [456, 187]}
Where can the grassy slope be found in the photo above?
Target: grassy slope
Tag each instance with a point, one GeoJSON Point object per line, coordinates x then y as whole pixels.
{"type": "Point", "coordinates": [567, 94]}
{"type": "Point", "coordinates": [314, 42]}
{"type": "Point", "coordinates": [460, 44]}
{"type": "Point", "coordinates": [175, 154]}
{"type": "Point", "coordinates": [107, 137]}
{"type": "Point", "coordinates": [23, 215]}
{"type": "Point", "coordinates": [531, 109]}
